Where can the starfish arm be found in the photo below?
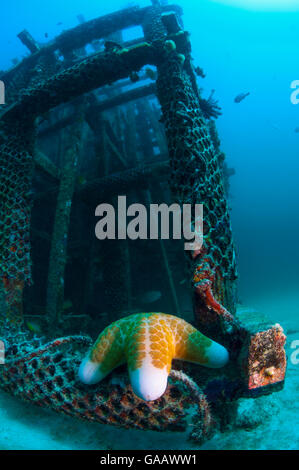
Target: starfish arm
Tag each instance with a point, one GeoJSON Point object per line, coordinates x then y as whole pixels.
{"type": "Point", "coordinates": [193, 346]}
{"type": "Point", "coordinates": [149, 354]}
{"type": "Point", "coordinates": [106, 354]}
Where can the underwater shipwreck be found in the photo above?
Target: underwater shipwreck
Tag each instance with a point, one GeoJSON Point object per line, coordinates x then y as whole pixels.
{"type": "Point", "coordinates": [90, 116]}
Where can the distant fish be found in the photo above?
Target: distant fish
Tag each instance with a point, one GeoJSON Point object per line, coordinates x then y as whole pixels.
{"type": "Point", "coordinates": [81, 180]}
{"type": "Point", "coordinates": [151, 296]}
{"type": "Point", "coordinates": [241, 97]}
{"type": "Point", "coordinates": [46, 35]}
{"type": "Point", "coordinates": [34, 327]}
{"type": "Point", "coordinates": [276, 126]}
{"type": "Point", "coordinates": [199, 72]}
{"type": "Point", "coordinates": [59, 23]}
{"type": "Point", "coordinates": [297, 130]}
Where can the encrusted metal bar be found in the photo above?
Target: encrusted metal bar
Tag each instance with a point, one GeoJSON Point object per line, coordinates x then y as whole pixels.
{"type": "Point", "coordinates": [101, 69]}
{"type": "Point", "coordinates": [116, 182]}
{"type": "Point", "coordinates": [125, 97]}
{"type": "Point", "coordinates": [28, 41]}
{"type": "Point", "coordinates": [119, 100]}
{"type": "Point", "coordinates": [99, 28]}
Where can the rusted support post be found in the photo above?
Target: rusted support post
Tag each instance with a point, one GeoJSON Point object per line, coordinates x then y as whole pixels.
{"type": "Point", "coordinates": [98, 126]}
{"type": "Point", "coordinates": [55, 290]}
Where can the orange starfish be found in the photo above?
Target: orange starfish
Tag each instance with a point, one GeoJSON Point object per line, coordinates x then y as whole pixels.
{"type": "Point", "coordinates": [148, 342]}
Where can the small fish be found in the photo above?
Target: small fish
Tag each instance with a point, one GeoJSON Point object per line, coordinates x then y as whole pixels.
{"type": "Point", "coordinates": [46, 35]}
{"type": "Point", "coordinates": [59, 23]}
{"type": "Point", "coordinates": [67, 304]}
{"type": "Point", "coordinates": [241, 97]}
{"type": "Point", "coordinates": [34, 327]}
{"type": "Point", "coordinates": [276, 127]}
{"type": "Point", "coordinates": [81, 180]}
{"type": "Point", "coordinates": [151, 296]}
{"type": "Point", "coordinates": [297, 130]}
{"type": "Point", "coordinates": [292, 331]}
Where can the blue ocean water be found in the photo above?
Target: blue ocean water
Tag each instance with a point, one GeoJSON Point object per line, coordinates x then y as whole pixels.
{"type": "Point", "coordinates": [242, 47]}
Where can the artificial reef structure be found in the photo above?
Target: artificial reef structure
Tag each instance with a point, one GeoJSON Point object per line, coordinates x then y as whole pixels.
{"type": "Point", "coordinates": [89, 116]}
